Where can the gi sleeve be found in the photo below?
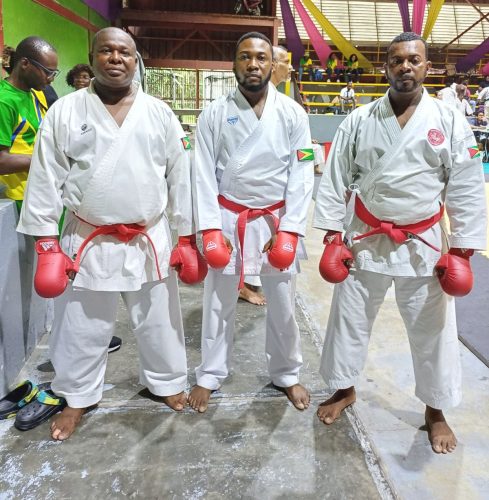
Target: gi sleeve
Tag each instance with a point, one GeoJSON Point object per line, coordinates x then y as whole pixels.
{"type": "Point", "coordinates": [43, 205]}
{"type": "Point", "coordinates": [298, 193]}
{"type": "Point", "coordinates": [465, 193]}
{"type": "Point", "coordinates": [330, 209]}
{"type": "Point", "coordinates": [204, 182]}
{"type": "Point", "coordinates": [178, 177]}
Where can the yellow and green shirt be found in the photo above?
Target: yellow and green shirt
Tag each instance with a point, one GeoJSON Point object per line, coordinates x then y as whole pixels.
{"type": "Point", "coordinates": [21, 114]}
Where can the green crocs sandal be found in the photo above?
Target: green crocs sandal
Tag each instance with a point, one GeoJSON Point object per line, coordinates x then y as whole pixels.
{"type": "Point", "coordinates": [16, 399]}
{"type": "Point", "coordinates": [43, 407]}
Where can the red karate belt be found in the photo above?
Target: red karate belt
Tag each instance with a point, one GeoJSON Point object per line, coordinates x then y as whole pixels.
{"type": "Point", "coordinates": [123, 232]}
{"type": "Point", "coordinates": [399, 234]}
{"type": "Point", "coordinates": [245, 214]}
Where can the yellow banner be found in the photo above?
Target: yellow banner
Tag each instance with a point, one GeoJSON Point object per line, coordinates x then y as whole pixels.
{"type": "Point", "coordinates": [342, 44]}
{"type": "Point", "coordinates": [435, 8]}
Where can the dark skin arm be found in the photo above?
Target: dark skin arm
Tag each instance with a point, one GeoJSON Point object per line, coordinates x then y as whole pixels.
{"type": "Point", "coordinates": [13, 164]}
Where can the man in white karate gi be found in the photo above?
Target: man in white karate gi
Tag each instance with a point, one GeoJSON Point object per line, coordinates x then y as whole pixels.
{"type": "Point", "coordinates": [252, 183]}
{"type": "Point", "coordinates": [116, 158]}
{"type": "Point", "coordinates": [405, 156]}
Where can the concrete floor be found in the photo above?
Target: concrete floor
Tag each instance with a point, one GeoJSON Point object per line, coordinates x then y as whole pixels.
{"type": "Point", "coordinates": [252, 443]}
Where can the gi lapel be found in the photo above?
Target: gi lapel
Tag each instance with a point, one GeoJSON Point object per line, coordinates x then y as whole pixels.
{"type": "Point", "coordinates": [399, 139]}
{"type": "Point", "coordinates": [257, 126]}
{"type": "Point", "coordinates": [94, 197]}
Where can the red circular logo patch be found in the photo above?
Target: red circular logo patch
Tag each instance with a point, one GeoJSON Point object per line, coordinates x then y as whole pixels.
{"type": "Point", "coordinates": [435, 137]}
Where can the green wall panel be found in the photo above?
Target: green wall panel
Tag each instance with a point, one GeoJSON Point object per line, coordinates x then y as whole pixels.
{"type": "Point", "coordinates": [23, 18]}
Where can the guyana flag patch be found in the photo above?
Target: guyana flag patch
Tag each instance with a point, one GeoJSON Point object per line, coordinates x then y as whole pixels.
{"type": "Point", "coordinates": [186, 143]}
{"type": "Point", "coordinates": [474, 152]}
{"type": "Point", "coordinates": [305, 155]}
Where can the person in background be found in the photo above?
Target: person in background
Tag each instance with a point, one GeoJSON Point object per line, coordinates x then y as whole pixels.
{"type": "Point", "coordinates": [462, 104]}
{"type": "Point", "coordinates": [79, 76]}
{"type": "Point", "coordinates": [305, 64]}
{"type": "Point", "coordinates": [352, 70]}
{"type": "Point", "coordinates": [333, 67]}
{"type": "Point", "coordinates": [31, 67]}
{"type": "Point", "coordinates": [478, 124]}
{"type": "Point", "coordinates": [348, 101]}
{"type": "Point", "coordinates": [448, 94]}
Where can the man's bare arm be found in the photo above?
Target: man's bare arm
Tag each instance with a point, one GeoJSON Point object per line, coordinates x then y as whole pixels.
{"type": "Point", "coordinates": [13, 164]}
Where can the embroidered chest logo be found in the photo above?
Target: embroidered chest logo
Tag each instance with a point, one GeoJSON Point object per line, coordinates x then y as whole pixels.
{"type": "Point", "coordinates": [232, 120]}
{"type": "Point", "coordinates": [474, 152]}
{"type": "Point", "coordinates": [435, 137]}
{"type": "Point", "coordinates": [85, 128]}
{"type": "Point", "coordinates": [305, 154]}
{"type": "Point", "coordinates": [186, 143]}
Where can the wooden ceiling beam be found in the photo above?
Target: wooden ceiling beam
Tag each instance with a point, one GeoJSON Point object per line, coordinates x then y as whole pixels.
{"type": "Point", "coordinates": [134, 17]}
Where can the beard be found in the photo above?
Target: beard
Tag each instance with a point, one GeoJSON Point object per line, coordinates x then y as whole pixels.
{"type": "Point", "coordinates": [255, 87]}
{"type": "Point", "coordinates": [397, 84]}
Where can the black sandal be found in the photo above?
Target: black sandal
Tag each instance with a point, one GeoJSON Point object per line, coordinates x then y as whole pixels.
{"type": "Point", "coordinates": [16, 399]}
{"type": "Point", "coordinates": [43, 407]}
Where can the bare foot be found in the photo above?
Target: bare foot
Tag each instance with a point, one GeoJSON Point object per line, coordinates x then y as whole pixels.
{"type": "Point", "coordinates": [297, 394]}
{"type": "Point", "coordinates": [331, 409]}
{"type": "Point", "coordinates": [251, 295]}
{"type": "Point", "coordinates": [65, 423]}
{"type": "Point", "coordinates": [199, 398]}
{"type": "Point", "coordinates": [441, 437]}
{"type": "Point", "coordinates": [176, 402]}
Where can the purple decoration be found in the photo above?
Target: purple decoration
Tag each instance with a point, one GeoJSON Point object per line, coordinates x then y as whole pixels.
{"type": "Point", "coordinates": [404, 9]}
{"type": "Point", "coordinates": [109, 9]}
{"type": "Point", "coordinates": [473, 57]}
{"type": "Point", "coordinates": [292, 36]}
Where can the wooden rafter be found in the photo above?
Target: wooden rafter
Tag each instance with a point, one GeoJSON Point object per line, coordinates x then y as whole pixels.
{"type": "Point", "coordinates": [67, 14]}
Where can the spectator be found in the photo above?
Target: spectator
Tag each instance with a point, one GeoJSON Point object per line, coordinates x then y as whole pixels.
{"type": "Point", "coordinates": [333, 67]}
{"type": "Point", "coordinates": [479, 127]}
{"type": "Point", "coordinates": [305, 64]}
{"type": "Point", "coordinates": [353, 72]}
{"type": "Point", "coordinates": [448, 94]}
{"type": "Point", "coordinates": [461, 103]}
{"type": "Point", "coordinates": [483, 100]}
{"type": "Point", "coordinates": [32, 66]}
{"type": "Point", "coordinates": [79, 76]}
{"type": "Point", "coordinates": [348, 101]}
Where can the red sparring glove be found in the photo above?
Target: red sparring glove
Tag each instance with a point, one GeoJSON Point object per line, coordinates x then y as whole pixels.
{"type": "Point", "coordinates": [188, 261]}
{"type": "Point", "coordinates": [282, 254]}
{"type": "Point", "coordinates": [216, 251]}
{"type": "Point", "coordinates": [52, 269]}
{"type": "Point", "coordinates": [334, 264]}
{"type": "Point", "coordinates": [454, 272]}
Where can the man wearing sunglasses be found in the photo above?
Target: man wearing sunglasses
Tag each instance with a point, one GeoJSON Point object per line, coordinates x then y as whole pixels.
{"type": "Point", "coordinates": [22, 108]}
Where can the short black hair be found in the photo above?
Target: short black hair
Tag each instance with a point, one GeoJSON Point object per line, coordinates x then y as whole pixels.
{"type": "Point", "coordinates": [31, 48]}
{"type": "Point", "coordinates": [253, 34]}
{"type": "Point", "coordinates": [76, 70]}
{"type": "Point", "coordinates": [408, 36]}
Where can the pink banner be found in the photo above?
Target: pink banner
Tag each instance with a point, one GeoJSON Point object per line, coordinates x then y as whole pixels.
{"type": "Point", "coordinates": [322, 49]}
{"type": "Point", "coordinates": [419, 6]}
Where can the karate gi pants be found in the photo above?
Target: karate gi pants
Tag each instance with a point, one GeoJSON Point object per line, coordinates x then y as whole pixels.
{"type": "Point", "coordinates": [282, 345]}
{"type": "Point", "coordinates": [84, 324]}
{"type": "Point", "coordinates": [429, 317]}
